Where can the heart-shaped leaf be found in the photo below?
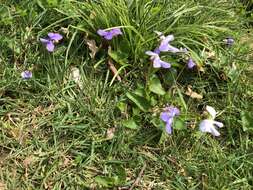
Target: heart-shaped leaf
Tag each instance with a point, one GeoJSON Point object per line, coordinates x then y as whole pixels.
{"type": "Point", "coordinates": [141, 102]}
{"type": "Point", "coordinates": [155, 86]}
{"type": "Point", "coordinates": [178, 124]}
{"type": "Point", "coordinates": [130, 123]}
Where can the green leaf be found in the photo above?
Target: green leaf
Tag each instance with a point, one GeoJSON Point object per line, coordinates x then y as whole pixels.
{"type": "Point", "coordinates": [153, 101]}
{"type": "Point", "coordinates": [105, 181]}
{"type": "Point", "coordinates": [163, 137]}
{"type": "Point", "coordinates": [121, 175]}
{"type": "Point", "coordinates": [178, 124]}
{"type": "Point", "coordinates": [140, 90]}
{"type": "Point", "coordinates": [122, 106]}
{"type": "Point", "coordinates": [170, 76]}
{"type": "Point", "coordinates": [141, 102]}
{"type": "Point", "coordinates": [130, 123]}
{"type": "Point", "coordinates": [157, 122]}
{"type": "Point", "coordinates": [118, 56]}
{"type": "Point", "coordinates": [118, 178]}
{"type": "Point", "coordinates": [52, 2]}
{"type": "Point", "coordinates": [155, 86]}
{"type": "Point", "coordinates": [156, 10]}
{"type": "Point", "coordinates": [136, 111]}
{"type": "Point", "coordinates": [247, 121]}
{"type": "Point", "coordinates": [181, 97]}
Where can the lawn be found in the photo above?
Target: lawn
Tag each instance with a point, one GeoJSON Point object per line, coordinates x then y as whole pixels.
{"type": "Point", "coordinates": [126, 94]}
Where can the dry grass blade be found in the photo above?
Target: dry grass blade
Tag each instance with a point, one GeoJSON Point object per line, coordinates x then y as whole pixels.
{"type": "Point", "coordinates": [2, 186]}
{"type": "Point", "coordinates": [136, 182]}
{"type": "Point", "coordinates": [110, 132]}
{"type": "Point", "coordinates": [75, 76]}
{"type": "Point", "coordinates": [92, 47]}
{"type": "Point", "coordinates": [193, 94]}
{"type": "Point", "coordinates": [113, 69]}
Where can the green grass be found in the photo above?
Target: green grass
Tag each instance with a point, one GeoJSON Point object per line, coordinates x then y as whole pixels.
{"type": "Point", "coordinates": [53, 134]}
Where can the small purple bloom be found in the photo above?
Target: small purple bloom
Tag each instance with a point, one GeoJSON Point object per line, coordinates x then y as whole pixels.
{"type": "Point", "coordinates": [26, 74]}
{"type": "Point", "coordinates": [168, 48]}
{"type": "Point", "coordinates": [48, 43]}
{"type": "Point", "coordinates": [229, 41]}
{"type": "Point", "coordinates": [165, 44]}
{"type": "Point", "coordinates": [191, 63]}
{"type": "Point", "coordinates": [157, 62]}
{"type": "Point", "coordinates": [54, 36]}
{"type": "Point", "coordinates": [157, 51]}
{"type": "Point", "coordinates": [108, 35]}
{"type": "Point", "coordinates": [168, 115]}
{"type": "Point", "coordinates": [50, 40]}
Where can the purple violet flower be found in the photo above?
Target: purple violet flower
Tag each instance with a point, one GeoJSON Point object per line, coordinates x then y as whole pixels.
{"type": "Point", "coordinates": [167, 116]}
{"type": "Point", "coordinates": [50, 40]}
{"type": "Point", "coordinates": [157, 51]}
{"type": "Point", "coordinates": [157, 62]}
{"type": "Point", "coordinates": [26, 74]}
{"type": "Point", "coordinates": [229, 41]}
{"type": "Point", "coordinates": [191, 63]}
{"type": "Point", "coordinates": [165, 44]}
{"type": "Point", "coordinates": [108, 35]}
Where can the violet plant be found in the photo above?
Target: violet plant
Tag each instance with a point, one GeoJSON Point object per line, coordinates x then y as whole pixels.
{"type": "Point", "coordinates": [229, 41]}
{"type": "Point", "coordinates": [109, 34]}
{"type": "Point", "coordinates": [157, 62]}
{"type": "Point", "coordinates": [191, 64]}
{"type": "Point", "coordinates": [50, 41]}
{"type": "Point", "coordinates": [167, 116]}
{"type": "Point", "coordinates": [26, 74]}
{"type": "Point", "coordinates": [209, 125]}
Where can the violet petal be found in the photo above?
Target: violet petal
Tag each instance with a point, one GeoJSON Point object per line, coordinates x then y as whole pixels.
{"type": "Point", "coordinates": [168, 126]}
{"type": "Point", "coordinates": [55, 36]}
{"type": "Point", "coordinates": [164, 116]}
{"type": "Point", "coordinates": [102, 32]}
{"type": "Point", "coordinates": [50, 46]}
{"type": "Point", "coordinates": [108, 36]}
{"type": "Point", "coordinates": [165, 65]}
{"type": "Point", "coordinates": [207, 126]}
{"type": "Point", "coordinates": [26, 74]}
{"type": "Point", "coordinates": [157, 62]}
{"type": "Point", "coordinates": [116, 31]}
{"type": "Point", "coordinates": [44, 41]}
{"type": "Point", "coordinates": [191, 64]}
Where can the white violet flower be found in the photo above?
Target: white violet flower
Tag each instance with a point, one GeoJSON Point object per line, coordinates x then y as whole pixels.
{"type": "Point", "coordinates": [209, 125]}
